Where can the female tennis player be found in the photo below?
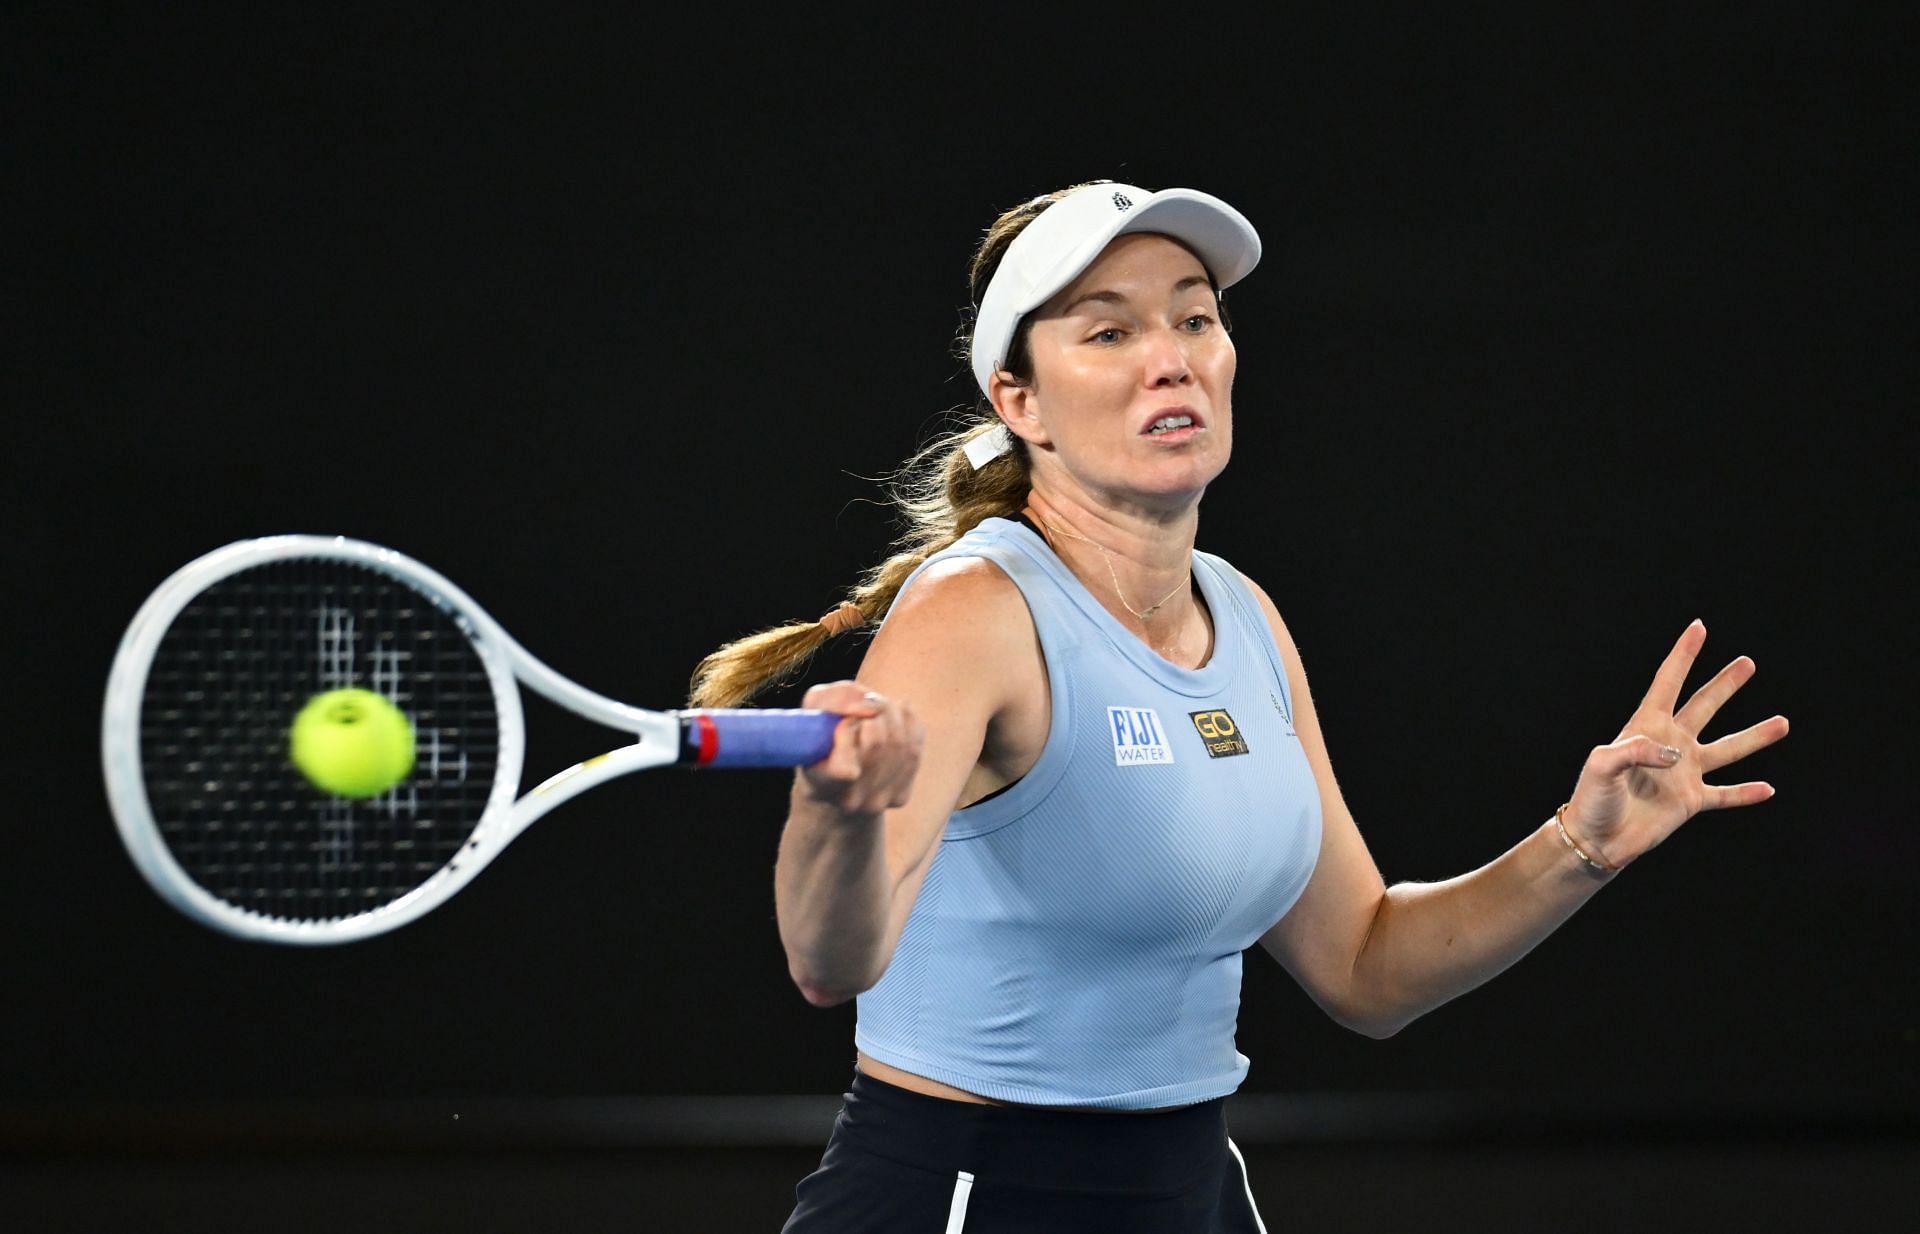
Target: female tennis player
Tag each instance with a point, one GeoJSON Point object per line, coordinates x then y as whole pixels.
{"type": "Point", "coordinates": [1081, 772]}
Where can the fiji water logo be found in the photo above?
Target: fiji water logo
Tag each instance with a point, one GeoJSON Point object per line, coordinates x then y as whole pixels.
{"type": "Point", "coordinates": [1138, 737]}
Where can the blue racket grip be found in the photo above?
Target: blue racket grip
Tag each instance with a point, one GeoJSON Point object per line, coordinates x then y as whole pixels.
{"type": "Point", "coordinates": [755, 737]}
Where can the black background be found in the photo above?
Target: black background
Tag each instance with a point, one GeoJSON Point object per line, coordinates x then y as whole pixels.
{"type": "Point", "coordinates": [1568, 331]}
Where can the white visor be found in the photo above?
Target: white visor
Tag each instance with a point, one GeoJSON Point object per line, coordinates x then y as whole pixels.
{"type": "Point", "coordinates": [1066, 237]}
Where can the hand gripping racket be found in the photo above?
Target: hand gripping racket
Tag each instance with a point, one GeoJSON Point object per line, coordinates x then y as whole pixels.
{"type": "Point", "coordinates": [218, 661]}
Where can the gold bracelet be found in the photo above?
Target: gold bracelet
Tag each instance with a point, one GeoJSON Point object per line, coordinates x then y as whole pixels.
{"type": "Point", "coordinates": [1560, 818]}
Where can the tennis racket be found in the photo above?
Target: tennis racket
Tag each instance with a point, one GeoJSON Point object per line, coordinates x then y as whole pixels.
{"type": "Point", "coordinates": [219, 660]}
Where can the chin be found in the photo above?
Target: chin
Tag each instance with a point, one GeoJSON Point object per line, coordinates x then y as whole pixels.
{"type": "Point", "coordinates": [1173, 495]}
{"type": "Point", "coordinates": [1188, 474]}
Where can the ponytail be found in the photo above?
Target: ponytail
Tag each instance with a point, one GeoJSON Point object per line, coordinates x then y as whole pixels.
{"type": "Point", "coordinates": [942, 497]}
{"type": "Point", "coordinates": [939, 492]}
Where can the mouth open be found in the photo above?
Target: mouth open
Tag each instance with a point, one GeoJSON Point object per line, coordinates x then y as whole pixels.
{"type": "Point", "coordinates": [1174, 427]}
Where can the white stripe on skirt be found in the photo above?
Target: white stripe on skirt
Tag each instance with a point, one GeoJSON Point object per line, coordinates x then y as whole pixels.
{"type": "Point", "coordinates": [963, 1188]}
{"type": "Point", "coordinates": [1254, 1208]}
{"type": "Point", "coordinates": [957, 1215]}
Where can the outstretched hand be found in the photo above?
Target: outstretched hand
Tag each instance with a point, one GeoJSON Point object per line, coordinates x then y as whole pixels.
{"type": "Point", "coordinates": [1636, 792]}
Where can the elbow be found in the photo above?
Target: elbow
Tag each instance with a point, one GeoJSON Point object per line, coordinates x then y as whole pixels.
{"type": "Point", "coordinates": [1379, 1031]}
{"type": "Point", "coordinates": [820, 996]}
{"type": "Point", "coordinates": [1376, 1022]}
{"type": "Point", "coordinates": [1365, 1006]}
{"type": "Point", "coordinates": [824, 992]}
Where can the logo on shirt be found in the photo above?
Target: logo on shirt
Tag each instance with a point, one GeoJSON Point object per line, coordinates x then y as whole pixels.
{"type": "Point", "coordinates": [1218, 733]}
{"type": "Point", "coordinates": [1138, 736]}
{"type": "Point", "coordinates": [1282, 709]}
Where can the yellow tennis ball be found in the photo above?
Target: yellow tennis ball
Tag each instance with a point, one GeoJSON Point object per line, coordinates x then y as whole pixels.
{"type": "Point", "coordinates": [352, 743]}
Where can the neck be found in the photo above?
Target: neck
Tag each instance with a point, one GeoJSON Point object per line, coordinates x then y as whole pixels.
{"type": "Point", "coordinates": [1159, 542]}
{"type": "Point", "coordinates": [1141, 568]}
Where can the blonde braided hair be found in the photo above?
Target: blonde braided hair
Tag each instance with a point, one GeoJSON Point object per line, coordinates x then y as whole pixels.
{"type": "Point", "coordinates": [938, 492]}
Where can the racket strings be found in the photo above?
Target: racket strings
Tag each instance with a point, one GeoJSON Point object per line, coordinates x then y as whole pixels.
{"type": "Point", "coordinates": [233, 670]}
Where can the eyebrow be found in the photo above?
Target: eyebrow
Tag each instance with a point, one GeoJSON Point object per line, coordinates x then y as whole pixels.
{"type": "Point", "coordinates": [1114, 297]}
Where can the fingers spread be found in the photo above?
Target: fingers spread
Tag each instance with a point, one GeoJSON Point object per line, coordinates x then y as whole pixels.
{"type": "Point", "coordinates": [1736, 746]}
{"type": "Point", "coordinates": [1752, 793]}
{"type": "Point", "coordinates": [1665, 691]}
{"type": "Point", "coordinates": [1707, 700]}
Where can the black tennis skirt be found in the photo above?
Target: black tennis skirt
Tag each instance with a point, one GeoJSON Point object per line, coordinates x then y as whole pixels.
{"type": "Point", "coordinates": [900, 1161]}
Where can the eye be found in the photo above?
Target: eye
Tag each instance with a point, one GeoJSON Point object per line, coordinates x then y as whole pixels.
{"type": "Point", "coordinates": [1109, 335]}
{"type": "Point", "coordinates": [1196, 323]}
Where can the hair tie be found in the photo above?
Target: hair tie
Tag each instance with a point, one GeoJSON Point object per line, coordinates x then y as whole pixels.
{"type": "Point", "coordinates": [990, 445]}
{"type": "Point", "coordinates": [847, 617]}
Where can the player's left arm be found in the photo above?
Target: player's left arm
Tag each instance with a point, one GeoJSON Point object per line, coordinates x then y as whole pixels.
{"type": "Point", "coordinates": [1379, 959]}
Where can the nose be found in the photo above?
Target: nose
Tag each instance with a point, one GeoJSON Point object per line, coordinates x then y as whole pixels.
{"type": "Point", "coordinates": [1166, 359]}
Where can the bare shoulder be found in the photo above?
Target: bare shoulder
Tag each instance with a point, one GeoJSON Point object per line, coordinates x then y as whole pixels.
{"type": "Point", "coordinates": [956, 610]}
{"type": "Point", "coordinates": [957, 615]}
{"type": "Point", "coordinates": [961, 583]}
{"type": "Point", "coordinates": [1282, 637]}
{"type": "Point", "coordinates": [1296, 673]}
{"type": "Point", "coordinates": [1266, 601]}
{"type": "Point", "coordinates": [961, 644]}
{"type": "Point", "coordinates": [960, 647]}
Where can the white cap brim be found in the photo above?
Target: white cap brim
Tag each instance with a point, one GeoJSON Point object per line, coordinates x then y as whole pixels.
{"type": "Point", "coordinates": [1066, 237]}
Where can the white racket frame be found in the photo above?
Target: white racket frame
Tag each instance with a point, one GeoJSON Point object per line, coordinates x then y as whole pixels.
{"type": "Point", "coordinates": [508, 665]}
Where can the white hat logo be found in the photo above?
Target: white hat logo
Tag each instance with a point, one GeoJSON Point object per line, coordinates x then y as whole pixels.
{"type": "Point", "coordinates": [1059, 242]}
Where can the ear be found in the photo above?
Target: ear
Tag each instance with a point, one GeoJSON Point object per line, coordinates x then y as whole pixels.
{"type": "Point", "coordinates": [1018, 406]}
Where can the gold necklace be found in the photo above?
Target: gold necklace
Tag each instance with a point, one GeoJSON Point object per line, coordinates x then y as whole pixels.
{"type": "Point", "coordinates": [1107, 553]}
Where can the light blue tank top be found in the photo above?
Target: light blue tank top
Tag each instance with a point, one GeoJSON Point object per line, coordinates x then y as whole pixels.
{"type": "Point", "coordinates": [1077, 939]}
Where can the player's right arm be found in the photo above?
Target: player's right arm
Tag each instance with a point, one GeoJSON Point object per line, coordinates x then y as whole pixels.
{"type": "Point", "coordinates": [956, 652]}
